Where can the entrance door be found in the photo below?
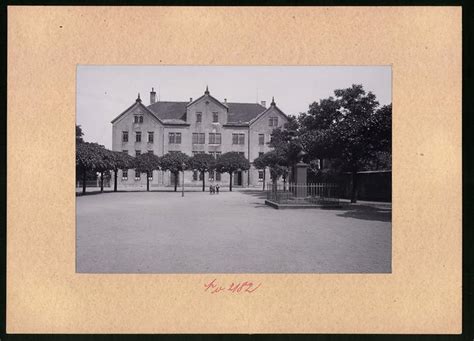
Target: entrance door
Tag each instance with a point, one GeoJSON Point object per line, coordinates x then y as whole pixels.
{"type": "Point", "coordinates": [238, 178]}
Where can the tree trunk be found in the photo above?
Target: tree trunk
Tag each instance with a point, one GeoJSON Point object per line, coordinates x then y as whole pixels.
{"type": "Point", "coordinates": [203, 182]}
{"type": "Point", "coordinates": [264, 173]}
{"type": "Point", "coordinates": [176, 182]}
{"type": "Point", "coordinates": [115, 180]}
{"type": "Point", "coordinates": [354, 187]}
{"type": "Point", "coordinates": [230, 183]}
{"type": "Point", "coordinates": [102, 181]}
{"type": "Point", "coordinates": [147, 182]}
{"type": "Point", "coordinates": [84, 181]}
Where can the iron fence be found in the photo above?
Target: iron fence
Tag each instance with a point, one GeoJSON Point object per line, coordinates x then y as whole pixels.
{"type": "Point", "coordinates": [287, 193]}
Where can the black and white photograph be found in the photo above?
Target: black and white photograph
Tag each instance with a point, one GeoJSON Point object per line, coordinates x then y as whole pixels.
{"type": "Point", "coordinates": [233, 169]}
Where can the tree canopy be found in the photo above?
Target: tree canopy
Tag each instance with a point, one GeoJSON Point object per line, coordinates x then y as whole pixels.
{"type": "Point", "coordinates": [121, 160]}
{"type": "Point", "coordinates": [277, 162]}
{"type": "Point", "coordinates": [174, 162]}
{"type": "Point", "coordinates": [92, 156]}
{"type": "Point", "coordinates": [79, 134]}
{"type": "Point", "coordinates": [285, 141]}
{"type": "Point", "coordinates": [349, 128]}
{"type": "Point", "coordinates": [203, 163]}
{"type": "Point", "coordinates": [231, 162]}
{"type": "Point", "coordinates": [147, 163]}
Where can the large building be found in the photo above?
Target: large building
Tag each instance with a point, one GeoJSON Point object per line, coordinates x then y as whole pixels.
{"type": "Point", "coordinates": [204, 125]}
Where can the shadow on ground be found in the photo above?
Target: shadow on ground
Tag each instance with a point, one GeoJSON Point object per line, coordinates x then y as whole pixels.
{"type": "Point", "coordinates": [374, 212]}
{"type": "Point", "coordinates": [366, 212]}
{"type": "Point", "coordinates": [257, 194]}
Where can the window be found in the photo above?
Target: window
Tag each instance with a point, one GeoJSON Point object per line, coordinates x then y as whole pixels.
{"type": "Point", "coordinates": [195, 175]}
{"type": "Point", "coordinates": [218, 176]}
{"type": "Point", "coordinates": [242, 153]}
{"type": "Point", "coordinates": [150, 152]}
{"type": "Point", "coordinates": [198, 138]}
{"type": "Point", "coordinates": [137, 175]}
{"type": "Point", "coordinates": [261, 139]}
{"type": "Point", "coordinates": [124, 174]}
{"type": "Point", "coordinates": [215, 117]}
{"type": "Point", "coordinates": [198, 117]}
{"type": "Point", "coordinates": [138, 118]}
{"type": "Point", "coordinates": [211, 175]}
{"type": "Point", "coordinates": [125, 151]}
{"type": "Point", "coordinates": [215, 138]}
{"type": "Point", "coordinates": [273, 121]}
{"type": "Point", "coordinates": [260, 154]}
{"type": "Point", "coordinates": [238, 138]}
{"type": "Point", "coordinates": [150, 137]}
{"type": "Point", "coordinates": [215, 154]}
{"type": "Point", "coordinates": [124, 136]}
{"type": "Point", "coordinates": [201, 176]}
{"type": "Point", "coordinates": [150, 175]}
{"type": "Point", "coordinates": [197, 152]}
{"type": "Point", "coordinates": [260, 175]}
{"type": "Point", "coordinates": [138, 136]}
{"type": "Point", "coordinates": [174, 138]}
{"type": "Point", "coordinates": [137, 152]}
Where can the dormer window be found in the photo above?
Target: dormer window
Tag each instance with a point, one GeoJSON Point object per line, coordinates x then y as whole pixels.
{"type": "Point", "coordinates": [198, 117]}
{"type": "Point", "coordinates": [138, 118]}
{"type": "Point", "coordinates": [215, 117]}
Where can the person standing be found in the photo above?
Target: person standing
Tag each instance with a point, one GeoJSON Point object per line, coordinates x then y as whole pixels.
{"type": "Point", "coordinates": [217, 188]}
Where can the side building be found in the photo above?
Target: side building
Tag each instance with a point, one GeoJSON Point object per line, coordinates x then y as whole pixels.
{"type": "Point", "coordinates": [204, 125]}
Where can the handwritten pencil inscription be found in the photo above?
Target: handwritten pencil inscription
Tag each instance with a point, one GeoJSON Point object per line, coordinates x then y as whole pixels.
{"type": "Point", "coordinates": [213, 287]}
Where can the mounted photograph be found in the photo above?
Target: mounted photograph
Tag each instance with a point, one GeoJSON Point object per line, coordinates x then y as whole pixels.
{"type": "Point", "coordinates": [233, 169]}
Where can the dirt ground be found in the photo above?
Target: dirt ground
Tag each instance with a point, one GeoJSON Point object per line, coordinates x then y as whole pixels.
{"type": "Point", "coordinates": [233, 232]}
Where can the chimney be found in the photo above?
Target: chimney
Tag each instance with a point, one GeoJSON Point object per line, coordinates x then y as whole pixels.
{"type": "Point", "coordinates": [190, 99]}
{"type": "Point", "coordinates": [152, 96]}
{"type": "Point", "coordinates": [264, 104]}
{"type": "Point", "coordinates": [225, 100]}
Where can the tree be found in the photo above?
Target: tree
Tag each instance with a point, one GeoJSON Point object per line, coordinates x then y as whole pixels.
{"type": "Point", "coordinates": [121, 161]}
{"type": "Point", "coordinates": [231, 162]}
{"type": "Point", "coordinates": [260, 163]}
{"type": "Point", "coordinates": [91, 157]}
{"type": "Point", "coordinates": [285, 141]}
{"type": "Point", "coordinates": [202, 163]}
{"type": "Point", "coordinates": [277, 163]}
{"type": "Point", "coordinates": [349, 128]}
{"type": "Point", "coordinates": [175, 162]}
{"type": "Point", "coordinates": [105, 166]}
{"type": "Point", "coordinates": [79, 134]}
{"type": "Point", "coordinates": [147, 163]}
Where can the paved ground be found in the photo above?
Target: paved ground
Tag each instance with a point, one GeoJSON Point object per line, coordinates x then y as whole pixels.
{"type": "Point", "coordinates": [233, 232]}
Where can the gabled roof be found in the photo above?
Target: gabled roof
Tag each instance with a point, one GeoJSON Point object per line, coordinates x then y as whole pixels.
{"type": "Point", "coordinates": [209, 97]}
{"type": "Point", "coordinates": [169, 110]}
{"type": "Point", "coordinates": [273, 105]}
{"type": "Point", "coordinates": [138, 103]}
{"type": "Point", "coordinates": [243, 112]}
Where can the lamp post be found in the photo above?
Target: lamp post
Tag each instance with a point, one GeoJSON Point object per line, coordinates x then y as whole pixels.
{"type": "Point", "coordinates": [182, 185]}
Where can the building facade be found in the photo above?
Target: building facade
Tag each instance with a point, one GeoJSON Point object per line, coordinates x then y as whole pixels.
{"type": "Point", "coordinates": [204, 125]}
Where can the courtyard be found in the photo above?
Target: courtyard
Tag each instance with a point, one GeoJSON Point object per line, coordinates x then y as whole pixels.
{"type": "Point", "coordinates": [232, 232]}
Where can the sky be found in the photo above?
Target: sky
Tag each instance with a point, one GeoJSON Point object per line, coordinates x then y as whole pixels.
{"type": "Point", "coordinates": [103, 92]}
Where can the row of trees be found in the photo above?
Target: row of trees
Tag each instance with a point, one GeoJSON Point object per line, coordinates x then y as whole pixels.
{"type": "Point", "coordinates": [95, 158]}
